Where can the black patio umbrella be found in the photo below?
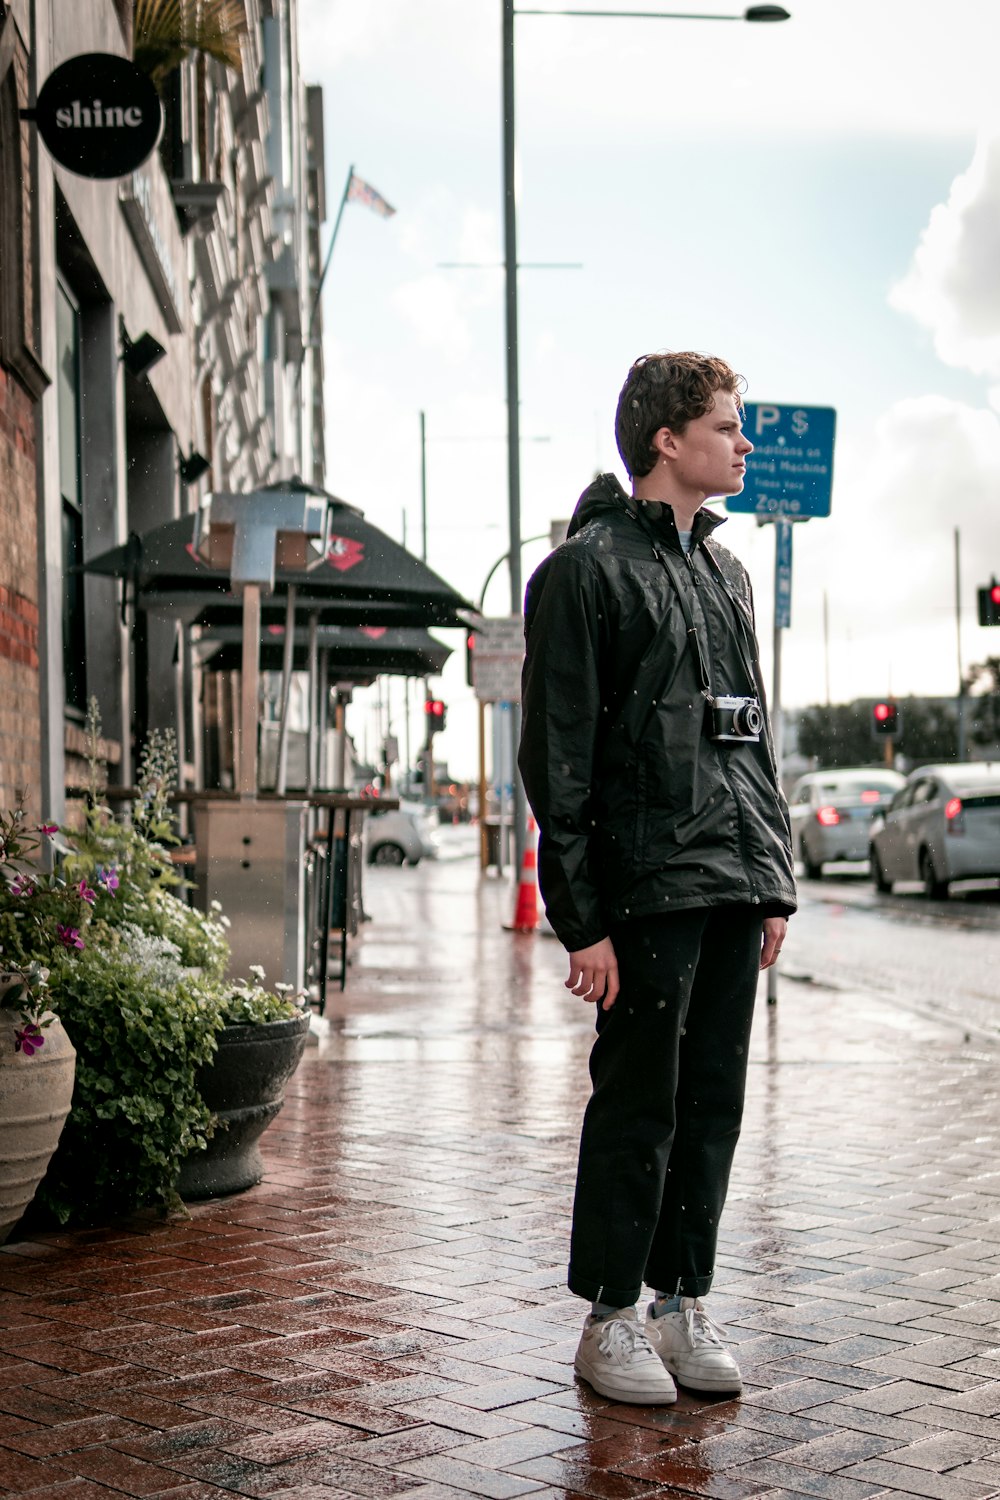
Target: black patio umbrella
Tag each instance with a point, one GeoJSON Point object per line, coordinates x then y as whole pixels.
{"type": "Point", "coordinates": [352, 654]}
{"type": "Point", "coordinates": [194, 607]}
{"type": "Point", "coordinates": [364, 576]}
{"type": "Point", "coordinates": [362, 566]}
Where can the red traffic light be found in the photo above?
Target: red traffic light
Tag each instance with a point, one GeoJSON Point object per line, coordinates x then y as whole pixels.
{"type": "Point", "coordinates": [988, 598]}
{"type": "Point", "coordinates": [436, 716]}
{"type": "Point", "coordinates": [885, 717]}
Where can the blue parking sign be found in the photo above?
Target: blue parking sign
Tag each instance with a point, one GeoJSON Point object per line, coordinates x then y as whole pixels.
{"type": "Point", "coordinates": [790, 471]}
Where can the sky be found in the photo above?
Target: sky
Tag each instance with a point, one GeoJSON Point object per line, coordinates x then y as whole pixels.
{"type": "Point", "coordinates": [817, 201]}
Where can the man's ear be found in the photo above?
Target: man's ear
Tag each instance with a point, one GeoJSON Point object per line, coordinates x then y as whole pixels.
{"type": "Point", "coordinates": [664, 442]}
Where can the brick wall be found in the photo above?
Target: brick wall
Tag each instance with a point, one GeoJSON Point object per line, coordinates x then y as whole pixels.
{"type": "Point", "coordinates": [20, 736]}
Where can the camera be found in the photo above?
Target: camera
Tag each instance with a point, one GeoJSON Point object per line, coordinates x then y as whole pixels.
{"type": "Point", "coordinates": [735, 719]}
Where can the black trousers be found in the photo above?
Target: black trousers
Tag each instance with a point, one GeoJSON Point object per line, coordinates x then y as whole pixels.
{"type": "Point", "coordinates": [669, 1074]}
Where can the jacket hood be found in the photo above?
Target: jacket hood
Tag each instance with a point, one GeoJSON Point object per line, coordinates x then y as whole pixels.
{"type": "Point", "coordinates": [605, 496]}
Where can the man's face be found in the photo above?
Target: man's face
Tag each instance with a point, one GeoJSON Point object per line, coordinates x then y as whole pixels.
{"type": "Point", "coordinates": [710, 454]}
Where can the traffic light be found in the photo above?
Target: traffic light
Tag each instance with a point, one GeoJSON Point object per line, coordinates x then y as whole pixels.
{"type": "Point", "coordinates": [470, 648]}
{"type": "Point", "coordinates": [989, 603]}
{"type": "Point", "coordinates": [436, 715]}
{"type": "Point", "coordinates": [885, 718]}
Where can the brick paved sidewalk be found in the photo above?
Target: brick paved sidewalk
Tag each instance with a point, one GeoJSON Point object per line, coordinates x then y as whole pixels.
{"type": "Point", "coordinates": [385, 1314]}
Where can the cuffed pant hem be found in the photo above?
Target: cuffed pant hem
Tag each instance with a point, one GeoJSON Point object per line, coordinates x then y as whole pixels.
{"type": "Point", "coordinates": [683, 1286]}
{"type": "Point", "coordinates": [596, 1291]}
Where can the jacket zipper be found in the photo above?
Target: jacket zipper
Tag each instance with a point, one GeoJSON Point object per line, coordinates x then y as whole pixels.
{"type": "Point", "coordinates": [723, 761]}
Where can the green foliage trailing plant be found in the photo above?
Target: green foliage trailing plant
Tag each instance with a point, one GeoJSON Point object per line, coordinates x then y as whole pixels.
{"type": "Point", "coordinates": [143, 999]}
{"type": "Point", "coordinates": [142, 1029]}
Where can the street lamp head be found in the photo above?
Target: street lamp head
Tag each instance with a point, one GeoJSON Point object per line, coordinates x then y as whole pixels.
{"type": "Point", "coordinates": [766, 13]}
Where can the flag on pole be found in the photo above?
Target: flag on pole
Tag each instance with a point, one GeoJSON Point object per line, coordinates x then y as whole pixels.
{"type": "Point", "coordinates": [359, 191]}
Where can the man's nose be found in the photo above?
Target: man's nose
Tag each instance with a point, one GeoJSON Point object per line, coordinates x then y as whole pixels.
{"type": "Point", "coordinates": [745, 444]}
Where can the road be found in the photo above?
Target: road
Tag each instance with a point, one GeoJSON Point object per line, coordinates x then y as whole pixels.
{"type": "Point", "coordinates": [938, 958]}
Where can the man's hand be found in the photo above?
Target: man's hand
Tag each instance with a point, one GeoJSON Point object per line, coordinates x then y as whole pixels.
{"type": "Point", "coordinates": [593, 973]}
{"type": "Point", "coordinates": [774, 935]}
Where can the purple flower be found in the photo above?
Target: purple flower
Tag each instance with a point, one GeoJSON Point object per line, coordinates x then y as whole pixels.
{"type": "Point", "coordinates": [29, 1040]}
{"type": "Point", "coordinates": [48, 829]}
{"type": "Point", "coordinates": [69, 936]}
{"type": "Point", "coordinates": [108, 879]}
{"type": "Point", "coordinates": [85, 893]}
{"type": "Point", "coordinates": [22, 886]}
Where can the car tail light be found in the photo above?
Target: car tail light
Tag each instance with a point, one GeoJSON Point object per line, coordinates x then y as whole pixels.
{"type": "Point", "coordinates": [869, 795]}
{"type": "Point", "coordinates": [953, 815]}
{"type": "Point", "coordinates": [827, 817]}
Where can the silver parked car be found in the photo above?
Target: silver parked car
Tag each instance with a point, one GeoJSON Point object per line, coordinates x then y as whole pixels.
{"type": "Point", "coordinates": [403, 835]}
{"type": "Point", "coordinates": [831, 813]}
{"type": "Point", "coordinates": [943, 825]}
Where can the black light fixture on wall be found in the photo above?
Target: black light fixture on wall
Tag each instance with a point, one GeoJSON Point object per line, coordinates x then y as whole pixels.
{"type": "Point", "coordinates": [192, 466]}
{"type": "Point", "coordinates": [141, 354]}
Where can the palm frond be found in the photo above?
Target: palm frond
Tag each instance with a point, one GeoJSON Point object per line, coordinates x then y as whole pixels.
{"type": "Point", "coordinates": [168, 31]}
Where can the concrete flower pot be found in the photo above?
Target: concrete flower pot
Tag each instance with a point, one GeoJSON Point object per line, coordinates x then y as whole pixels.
{"type": "Point", "coordinates": [35, 1095]}
{"type": "Point", "coordinates": [244, 1085]}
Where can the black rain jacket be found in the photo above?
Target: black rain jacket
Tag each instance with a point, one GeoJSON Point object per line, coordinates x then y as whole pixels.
{"type": "Point", "coordinates": [638, 810]}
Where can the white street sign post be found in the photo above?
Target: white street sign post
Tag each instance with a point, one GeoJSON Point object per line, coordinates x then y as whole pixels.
{"type": "Point", "coordinates": [497, 658]}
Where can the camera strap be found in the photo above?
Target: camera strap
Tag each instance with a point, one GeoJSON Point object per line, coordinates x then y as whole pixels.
{"type": "Point", "coordinates": [663, 556]}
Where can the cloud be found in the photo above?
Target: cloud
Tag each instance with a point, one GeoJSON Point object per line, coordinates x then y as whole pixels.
{"type": "Point", "coordinates": [952, 286]}
{"type": "Point", "coordinates": [885, 557]}
{"type": "Point", "coordinates": [339, 31]}
{"type": "Point", "coordinates": [432, 306]}
{"type": "Point", "coordinates": [440, 305]}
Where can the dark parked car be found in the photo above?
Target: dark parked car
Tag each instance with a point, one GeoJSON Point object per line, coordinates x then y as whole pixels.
{"type": "Point", "coordinates": [832, 811]}
{"type": "Point", "coordinates": [943, 825]}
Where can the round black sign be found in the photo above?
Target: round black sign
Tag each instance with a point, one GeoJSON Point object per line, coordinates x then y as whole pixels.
{"type": "Point", "coordinates": [99, 115]}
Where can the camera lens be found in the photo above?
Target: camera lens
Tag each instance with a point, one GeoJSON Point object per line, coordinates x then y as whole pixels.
{"type": "Point", "coordinates": [748, 718]}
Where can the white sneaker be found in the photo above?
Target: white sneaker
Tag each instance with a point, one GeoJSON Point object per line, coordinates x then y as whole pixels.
{"type": "Point", "coordinates": [690, 1346]}
{"type": "Point", "coordinates": [616, 1358]}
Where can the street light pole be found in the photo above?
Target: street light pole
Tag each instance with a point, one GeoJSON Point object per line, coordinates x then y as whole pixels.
{"type": "Point", "coordinates": [513, 403]}
{"type": "Point", "coordinates": [751, 13]}
{"type": "Point", "coordinates": [510, 303]}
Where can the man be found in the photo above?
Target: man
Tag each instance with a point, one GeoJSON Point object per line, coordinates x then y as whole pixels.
{"type": "Point", "coordinates": [664, 860]}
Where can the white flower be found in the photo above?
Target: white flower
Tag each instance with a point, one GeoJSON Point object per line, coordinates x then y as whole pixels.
{"type": "Point", "coordinates": [157, 956]}
{"type": "Point", "coordinates": [257, 971]}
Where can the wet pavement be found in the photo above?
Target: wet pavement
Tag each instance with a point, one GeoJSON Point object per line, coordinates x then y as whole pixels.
{"type": "Point", "coordinates": [939, 957]}
{"type": "Point", "coordinates": [385, 1313]}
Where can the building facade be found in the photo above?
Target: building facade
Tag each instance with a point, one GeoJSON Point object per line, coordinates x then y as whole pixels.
{"type": "Point", "coordinates": [153, 345]}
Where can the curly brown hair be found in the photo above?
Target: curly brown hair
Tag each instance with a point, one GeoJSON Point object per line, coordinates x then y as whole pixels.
{"type": "Point", "coordinates": [667, 390]}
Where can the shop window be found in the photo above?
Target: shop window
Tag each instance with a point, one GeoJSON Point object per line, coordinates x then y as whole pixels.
{"type": "Point", "coordinates": [68, 392]}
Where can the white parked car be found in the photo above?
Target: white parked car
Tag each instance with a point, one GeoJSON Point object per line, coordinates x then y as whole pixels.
{"type": "Point", "coordinates": [400, 836]}
{"type": "Point", "coordinates": [943, 825]}
{"type": "Point", "coordinates": [831, 813]}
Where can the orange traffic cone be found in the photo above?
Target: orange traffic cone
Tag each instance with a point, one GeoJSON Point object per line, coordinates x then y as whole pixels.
{"type": "Point", "coordinates": [526, 906]}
